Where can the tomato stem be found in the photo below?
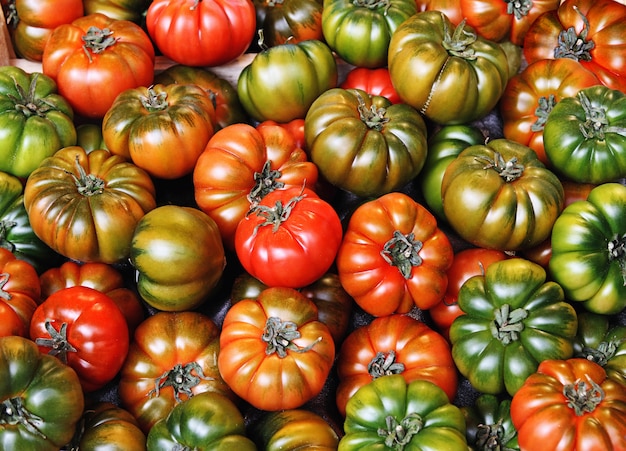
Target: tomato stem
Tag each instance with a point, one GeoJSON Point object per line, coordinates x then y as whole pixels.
{"type": "Point", "coordinates": [519, 8]}
{"type": "Point", "coordinates": [508, 170]}
{"type": "Point", "coordinates": [4, 278]}
{"type": "Point", "coordinates": [279, 336]}
{"type": "Point", "coordinates": [602, 354]}
{"type": "Point", "coordinates": [97, 40]}
{"type": "Point", "coordinates": [58, 342]}
{"type": "Point", "coordinates": [384, 364]}
{"type": "Point", "coordinates": [596, 123]}
{"type": "Point", "coordinates": [507, 324]}
{"type": "Point", "coordinates": [265, 182]}
{"type": "Point", "coordinates": [491, 437]}
{"type": "Point", "coordinates": [573, 45]}
{"type": "Point", "coordinates": [399, 434]}
{"type": "Point", "coordinates": [458, 44]}
{"type": "Point", "coordinates": [583, 397]}
{"type": "Point", "coordinates": [617, 252]}
{"type": "Point", "coordinates": [5, 228]}
{"type": "Point", "coordinates": [403, 251]}
{"type": "Point", "coordinates": [545, 105]}
{"type": "Point", "coordinates": [153, 101]}
{"type": "Point", "coordinates": [87, 184]}
{"type": "Point", "coordinates": [373, 117]}
{"type": "Point", "coordinates": [27, 103]}
{"type": "Point", "coordinates": [13, 413]}
{"type": "Point", "coordinates": [181, 379]}
{"type": "Point", "coordinates": [373, 4]}
{"type": "Point", "coordinates": [275, 215]}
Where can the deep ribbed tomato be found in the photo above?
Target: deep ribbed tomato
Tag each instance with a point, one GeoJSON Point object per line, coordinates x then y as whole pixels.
{"type": "Point", "coordinates": [375, 82]}
{"type": "Point", "coordinates": [19, 294]}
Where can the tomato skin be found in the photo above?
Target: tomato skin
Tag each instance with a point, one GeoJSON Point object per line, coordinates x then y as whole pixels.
{"type": "Point", "coordinates": [179, 257]}
{"type": "Point", "coordinates": [294, 73]}
{"type": "Point", "coordinates": [91, 81]}
{"type": "Point", "coordinates": [132, 10]}
{"type": "Point", "coordinates": [249, 360]}
{"type": "Point", "coordinates": [19, 294]}
{"type": "Point", "coordinates": [291, 249]}
{"type": "Point", "coordinates": [451, 8]}
{"type": "Point", "coordinates": [465, 264]}
{"type": "Point", "coordinates": [79, 219]}
{"type": "Point", "coordinates": [47, 389]}
{"type": "Point", "coordinates": [359, 32]}
{"type": "Point", "coordinates": [402, 340]}
{"type": "Point", "coordinates": [375, 82]}
{"type": "Point", "coordinates": [587, 260]}
{"type": "Point", "coordinates": [543, 413]}
{"type": "Point", "coordinates": [379, 286]}
{"type": "Point", "coordinates": [531, 94]}
{"type": "Point", "coordinates": [162, 129]}
{"type": "Point", "coordinates": [201, 33]}
{"type": "Point", "coordinates": [99, 347]}
{"type": "Point", "coordinates": [493, 208]}
{"type": "Point", "coordinates": [489, 424]}
{"type": "Point", "coordinates": [429, 78]}
{"type": "Point", "coordinates": [290, 21]}
{"type": "Point", "coordinates": [167, 345]}
{"type": "Point", "coordinates": [363, 143]}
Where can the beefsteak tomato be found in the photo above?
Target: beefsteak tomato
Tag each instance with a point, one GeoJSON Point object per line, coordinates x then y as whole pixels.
{"type": "Point", "coordinates": [19, 294]}
{"type": "Point", "coordinates": [376, 82]}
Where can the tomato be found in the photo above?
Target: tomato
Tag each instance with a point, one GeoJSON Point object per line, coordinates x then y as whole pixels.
{"type": "Point", "coordinates": [364, 144]}
{"type": "Point", "coordinates": [376, 82]}
{"type": "Point", "coordinates": [89, 136]}
{"type": "Point", "coordinates": [292, 21]}
{"type": "Point", "coordinates": [585, 136]}
{"type": "Point", "coordinates": [133, 10]}
{"type": "Point", "coordinates": [489, 424]}
{"type": "Point", "coordinates": [41, 398]}
{"type": "Point", "coordinates": [201, 32]}
{"type": "Point", "coordinates": [105, 423]}
{"type": "Point", "coordinates": [499, 195]}
{"type": "Point", "coordinates": [531, 94]}
{"type": "Point", "coordinates": [295, 127]}
{"type": "Point", "coordinates": [294, 73]}
{"type": "Point", "coordinates": [16, 233]}
{"type": "Point", "coordinates": [30, 22]}
{"type": "Point", "coordinates": [432, 62]}
{"type": "Point", "coordinates": [514, 318]}
{"type": "Point", "coordinates": [389, 413]}
{"type": "Point", "coordinates": [240, 165]}
{"type": "Point", "coordinates": [172, 357]}
{"type": "Point", "coordinates": [444, 145]}
{"type": "Point", "coordinates": [99, 276]}
{"type": "Point", "coordinates": [451, 8]}
{"type": "Point", "coordinates": [466, 263]}
{"type": "Point", "coordinates": [84, 329]}
{"type": "Point", "coordinates": [569, 405]}
{"type": "Point", "coordinates": [162, 129]}
{"type": "Point", "coordinates": [359, 31]}
{"type": "Point", "coordinates": [589, 31]}
{"type": "Point", "coordinates": [179, 257]}
{"type": "Point", "coordinates": [294, 429]}
{"type": "Point", "coordinates": [274, 352]}
{"type": "Point", "coordinates": [228, 108]}
{"type": "Point", "coordinates": [497, 20]}
{"type": "Point", "coordinates": [206, 421]}
{"type": "Point", "coordinates": [289, 239]}
{"type": "Point", "coordinates": [35, 120]}
{"type": "Point", "coordinates": [393, 256]}
{"type": "Point", "coordinates": [394, 344]}
{"type": "Point", "coordinates": [95, 58]}
{"type": "Point", "coordinates": [589, 250]}
{"type": "Point", "coordinates": [19, 294]}
{"type": "Point", "coordinates": [86, 206]}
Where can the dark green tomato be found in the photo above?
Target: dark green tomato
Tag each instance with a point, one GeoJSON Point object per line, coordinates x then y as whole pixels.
{"type": "Point", "coordinates": [513, 320]}
{"type": "Point", "coordinates": [41, 399]}
{"type": "Point", "coordinates": [206, 421]}
{"type": "Point", "coordinates": [359, 31]}
{"type": "Point", "coordinates": [585, 136]}
{"type": "Point", "coordinates": [294, 429]}
{"type": "Point", "coordinates": [489, 424]}
{"type": "Point", "coordinates": [35, 121]}
{"type": "Point", "coordinates": [364, 144]}
{"type": "Point", "coordinates": [16, 233]}
{"type": "Point", "coordinates": [292, 21]}
{"type": "Point", "coordinates": [443, 147]}
{"type": "Point", "coordinates": [89, 137]}
{"type": "Point", "coordinates": [589, 250]}
{"type": "Point", "coordinates": [281, 83]}
{"type": "Point", "coordinates": [448, 73]}
{"type": "Point", "coordinates": [388, 413]}
{"type": "Point", "coordinates": [499, 195]}
{"type": "Point", "coordinates": [133, 10]}
{"type": "Point", "coordinates": [599, 341]}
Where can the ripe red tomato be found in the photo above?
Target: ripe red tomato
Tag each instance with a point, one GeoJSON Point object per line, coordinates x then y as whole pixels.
{"type": "Point", "coordinates": [375, 82]}
{"type": "Point", "coordinates": [19, 294]}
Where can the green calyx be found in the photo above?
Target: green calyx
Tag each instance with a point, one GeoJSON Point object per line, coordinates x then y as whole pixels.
{"type": "Point", "coordinates": [154, 101]}
{"type": "Point", "coordinates": [398, 434]}
{"type": "Point", "coordinates": [545, 105]}
{"type": "Point", "coordinates": [518, 8]}
{"type": "Point", "coordinates": [27, 103]}
{"type": "Point", "coordinates": [507, 324]}
{"type": "Point", "coordinates": [384, 364]}
{"type": "Point", "coordinates": [617, 252]}
{"type": "Point", "coordinates": [402, 251]}
{"type": "Point", "coordinates": [459, 43]}
{"type": "Point", "coordinates": [583, 396]}
{"type": "Point", "coordinates": [58, 342]}
{"type": "Point", "coordinates": [280, 335]}
{"type": "Point", "coordinates": [373, 117]}
{"type": "Point", "coordinates": [265, 182]}
{"type": "Point", "coordinates": [87, 184]}
{"type": "Point", "coordinates": [13, 412]}
{"type": "Point", "coordinates": [493, 437]}
{"type": "Point", "coordinates": [181, 378]}
{"type": "Point", "coordinates": [509, 170]}
{"type": "Point", "coordinates": [573, 45]}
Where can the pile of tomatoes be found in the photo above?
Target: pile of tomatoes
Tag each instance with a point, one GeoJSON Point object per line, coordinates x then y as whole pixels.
{"type": "Point", "coordinates": [402, 227]}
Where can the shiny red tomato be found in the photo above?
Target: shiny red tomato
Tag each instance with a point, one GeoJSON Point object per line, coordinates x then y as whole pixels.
{"type": "Point", "coordinates": [375, 82]}
{"type": "Point", "coordinates": [85, 329]}
{"type": "Point", "coordinates": [19, 294]}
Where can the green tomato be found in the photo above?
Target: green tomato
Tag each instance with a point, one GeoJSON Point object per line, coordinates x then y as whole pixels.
{"type": "Point", "coordinates": [585, 136]}
{"type": "Point", "coordinates": [206, 421]}
{"type": "Point", "coordinates": [35, 121]}
{"type": "Point", "coordinates": [389, 413]}
{"type": "Point", "coordinates": [589, 250]}
{"type": "Point", "coordinates": [41, 399]}
{"type": "Point", "coordinates": [513, 320]}
{"type": "Point", "coordinates": [489, 424]}
{"type": "Point", "coordinates": [281, 82]}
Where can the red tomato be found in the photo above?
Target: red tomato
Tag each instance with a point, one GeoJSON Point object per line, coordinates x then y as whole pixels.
{"type": "Point", "coordinates": [375, 82]}
{"type": "Point", "coordinates": [85, 329]}
{"type": "Point", "coordinates": [201, 32]}
{"type": "Point", "coordinates": [19, 294]}
{"type": "Point", "coordinates": [394, 344]}
{"type": "Point", "coordinates": [466, 263]}
{"type": "Point", "coordinates": [289, 239]}
{"type": "Point", "coordinates": [95, 58]}
{"type": "Point", "coordinates": [451, 8]}
{"type": "Point", "coordinates": [295, 127]}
